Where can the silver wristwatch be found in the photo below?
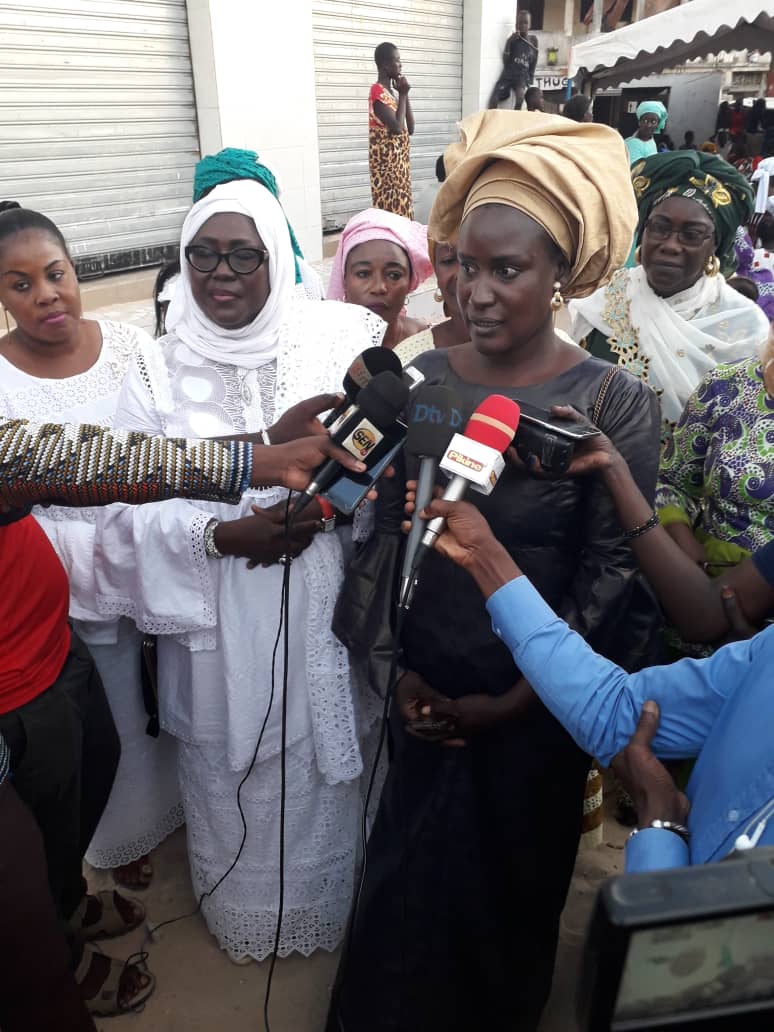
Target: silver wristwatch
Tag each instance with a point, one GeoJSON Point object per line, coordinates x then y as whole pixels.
{"type": "Point", "coordinates": [673, 826]}
{"type": "Point", "coordinates": [211, 550]}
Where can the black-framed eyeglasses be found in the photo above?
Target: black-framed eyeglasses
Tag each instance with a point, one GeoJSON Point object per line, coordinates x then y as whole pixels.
{"type": "Point", "coordinates": [242, 260]}
{"type": "Point", "coordinates": [688, 236]}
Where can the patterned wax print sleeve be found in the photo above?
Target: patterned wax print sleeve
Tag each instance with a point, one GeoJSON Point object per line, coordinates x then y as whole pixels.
{"type": "Point", "coordinates": [93, 465]}
{"type": "Point", "coordinates": [681, 477]}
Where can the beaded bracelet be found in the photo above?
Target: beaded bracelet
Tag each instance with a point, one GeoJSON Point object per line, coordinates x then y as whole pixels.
{"type": "Point", "coordinates": [642, 529]}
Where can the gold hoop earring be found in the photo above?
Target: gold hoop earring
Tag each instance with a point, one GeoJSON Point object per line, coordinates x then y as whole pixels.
{"type": "Point", "coordinates": [557, 300]}
{"type": "Point", "coordinates": [437, 295]}
{"type": "Point", "coordinates": [638, 255]}
{"type": "Point", "coordinates": [712, 268]}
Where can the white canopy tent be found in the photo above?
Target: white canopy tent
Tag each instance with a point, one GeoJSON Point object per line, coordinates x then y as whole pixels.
{"type": "Point", "coordinates": [664, 40]}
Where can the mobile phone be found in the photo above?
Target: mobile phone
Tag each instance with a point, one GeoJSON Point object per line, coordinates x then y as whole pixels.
{"type": "Point", "coordinates": [429, 726]}
{"type": "Point", "coordinates": [688, 949]}
{"type": "Point", "coordinates": [348, 490]}
{"type": "Point", "coordinates": [574, 429]}
{"type": "Point", "coordinates": [552, 440]}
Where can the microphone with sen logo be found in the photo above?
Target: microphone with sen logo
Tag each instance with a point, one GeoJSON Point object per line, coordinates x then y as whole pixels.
{"type": "Point", "coordinates": [361, 430]}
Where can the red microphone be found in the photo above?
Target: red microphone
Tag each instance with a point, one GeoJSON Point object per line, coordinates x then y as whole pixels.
{"type": "Point", "coordinates": [473, 459]}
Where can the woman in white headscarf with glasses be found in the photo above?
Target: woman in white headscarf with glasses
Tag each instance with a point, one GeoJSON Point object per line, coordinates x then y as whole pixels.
{"type": "Point", "coordinates": [244, 345]}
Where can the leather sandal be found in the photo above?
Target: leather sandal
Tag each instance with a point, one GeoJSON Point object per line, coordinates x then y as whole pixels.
{"type": "Point", "coordinates": [135, 876]}
{"type": "Point", "coordinates": [111, 923]}
{"type": "Point", "coordinates": [106, 1001]}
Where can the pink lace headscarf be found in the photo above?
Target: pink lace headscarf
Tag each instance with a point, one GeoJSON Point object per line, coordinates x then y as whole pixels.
{"type": "Point", "coordinates": [374, 224]}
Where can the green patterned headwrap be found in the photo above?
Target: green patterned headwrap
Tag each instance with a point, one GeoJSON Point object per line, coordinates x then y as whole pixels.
{"type": "Point", "coordinates": [708, 180]}
{"type": "Point", "coordinates": [230, 164]}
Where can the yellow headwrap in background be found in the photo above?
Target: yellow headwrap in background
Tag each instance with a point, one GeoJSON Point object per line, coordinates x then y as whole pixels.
{"type": "Point", "coordinates": [570, 177]}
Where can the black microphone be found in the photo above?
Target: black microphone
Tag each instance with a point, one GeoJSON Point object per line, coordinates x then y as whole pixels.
{"type": "Point", "coordinates": [433, 417]}
{"type": "Point", "coordinates": [473, 459]}
{"type": "Point", "coordinates": [367, 365]}
{"type": "Point", "coordinates": [360, 432]}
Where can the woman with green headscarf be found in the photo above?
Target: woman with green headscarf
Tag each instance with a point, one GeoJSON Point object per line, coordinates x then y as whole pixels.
{"type": "Point", "coordinates": [652, 119]}
{"type": "Point", "coordinates": [234, 163]}
{"type": "Point", "coordinates": [673, 318]}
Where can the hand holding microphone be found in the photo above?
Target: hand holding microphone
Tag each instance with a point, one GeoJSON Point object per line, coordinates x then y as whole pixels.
{"type": "Point", "coordinates": [360, 431]}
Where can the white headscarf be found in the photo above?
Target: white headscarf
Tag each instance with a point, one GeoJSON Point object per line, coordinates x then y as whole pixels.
{"type": "Point", "coordinates": [677, 339]}
{"type": "Point", "coordinates": [761, 176]}
{"type": "Point", "coordinates": [256, 344]}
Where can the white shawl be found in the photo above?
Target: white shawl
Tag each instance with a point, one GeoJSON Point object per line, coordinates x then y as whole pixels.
{"type": "Point", "coordinates": [671, 343]}
{"type": "Point", "coordinates": [256, 344]}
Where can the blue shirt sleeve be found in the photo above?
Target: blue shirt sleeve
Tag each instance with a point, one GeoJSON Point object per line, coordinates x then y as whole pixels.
{"type": "Point", "coordinates": [655, 848]}
{"type": "Point", "coordinates": [597, 701]}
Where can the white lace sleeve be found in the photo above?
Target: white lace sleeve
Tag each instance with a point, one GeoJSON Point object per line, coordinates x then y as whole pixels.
{"type": "Point", "coordinates": [150, 565]}
{"type": "Point", "coordinates": [318, 342]}
{"type": "Point", "coordinates": [73, 535]}
{"type": "Point", "coordinates": [136, 408]}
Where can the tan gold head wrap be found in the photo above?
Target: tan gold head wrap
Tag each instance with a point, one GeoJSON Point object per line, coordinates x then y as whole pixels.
{"type": "Point", "coordinates": [572, 178]}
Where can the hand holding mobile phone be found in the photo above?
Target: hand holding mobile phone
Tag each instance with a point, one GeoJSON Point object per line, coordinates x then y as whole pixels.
{"type": "Point", "coordinates": [430, 727]}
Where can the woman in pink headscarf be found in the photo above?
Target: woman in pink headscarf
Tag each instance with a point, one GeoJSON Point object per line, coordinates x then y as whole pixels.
{"type": "Point", "coordinates": [381, 257]}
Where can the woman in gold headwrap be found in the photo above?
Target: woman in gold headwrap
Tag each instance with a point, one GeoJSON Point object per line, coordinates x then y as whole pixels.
{"type": "Point", "coordinates": [475, 837]}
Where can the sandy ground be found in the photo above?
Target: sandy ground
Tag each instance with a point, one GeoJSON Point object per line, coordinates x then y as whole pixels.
{"type": "Point", "coordinates": [200, 990]}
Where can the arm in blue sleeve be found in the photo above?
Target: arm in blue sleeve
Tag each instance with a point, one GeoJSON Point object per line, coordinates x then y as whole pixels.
{"type": "Point", "coordinates": [655, 848]}
{"type": "Point", "coordinates": [597, 701]}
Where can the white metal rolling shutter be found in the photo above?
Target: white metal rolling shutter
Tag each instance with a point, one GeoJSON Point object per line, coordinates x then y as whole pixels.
{"type": "Point", "coordinates": [428, 34]}
{"type": "Point", "coordinates": [98, 123]}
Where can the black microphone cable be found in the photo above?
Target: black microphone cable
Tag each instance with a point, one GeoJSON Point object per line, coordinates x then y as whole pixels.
{"type": "Point", "coordinates": [283, 625]}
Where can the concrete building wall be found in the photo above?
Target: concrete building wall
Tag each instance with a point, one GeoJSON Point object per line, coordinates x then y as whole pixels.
{"type": "Point", "coordinates": [254, 82]}
{"type": "Point", "coordinates": [485, 27]}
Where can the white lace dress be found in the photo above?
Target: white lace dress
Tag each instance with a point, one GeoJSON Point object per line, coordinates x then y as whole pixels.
{"type": "Point", "coordinates": [144, 805]}
{"type": "Point", "coordinates": [215, 685]}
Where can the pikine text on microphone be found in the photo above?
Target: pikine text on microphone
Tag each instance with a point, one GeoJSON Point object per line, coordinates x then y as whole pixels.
{"type": "Point", "coordinates": [480, 465]}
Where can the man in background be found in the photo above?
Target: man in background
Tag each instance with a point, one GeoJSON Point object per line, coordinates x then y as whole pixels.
{"type": "Point", "coordinates": [519, 63]}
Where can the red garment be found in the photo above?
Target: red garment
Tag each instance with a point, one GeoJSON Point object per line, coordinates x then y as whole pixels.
{"type": "Point", "coordinates": [738, 121]}
{"type": "Point", "coordinates": [383, 95]}
{"type": "Point", "coordinates": [34, 600]}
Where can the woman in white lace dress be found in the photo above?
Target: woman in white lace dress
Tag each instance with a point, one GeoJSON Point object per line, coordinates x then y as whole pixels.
{"type": "Point", "coordinates": [243, 346]}
{"type": "Point", "coordinates": [58, 366]}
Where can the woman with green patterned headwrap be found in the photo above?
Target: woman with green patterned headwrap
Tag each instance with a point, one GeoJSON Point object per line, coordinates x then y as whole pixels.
{"type": "Point", "coordinates": [673, 318]}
